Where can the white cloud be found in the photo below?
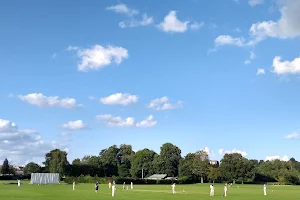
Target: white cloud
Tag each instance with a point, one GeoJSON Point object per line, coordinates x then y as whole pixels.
{"type": "Point", "coordinates": [252, 57]}
{"type": "Point", "coordinates": [260, 71]}
{"type": "Point", "coordinates": [286, 67]}
{"type": "Point", "coordinates": [148, 122]}
{"type": "Point", "coordinates": [72, 48]}
{"type": "Point", "coordinates": [229, 40]}
{"type": "Point", "coordinates": [97, 57]}
{"type": "Point", "coordinates": [41, 100]}
{"type": "Point", "coordinates": [255, 2]}
{"type": "Point", "coordinates": [112, 121]}
{"type": "Point", "coordinates": [287, 26]}
{"type": "Point", "coordinates": [172, 24]}
{"type": "Point", "coordinates": [74, 125]}
{"type": "Point", "coordinates": [163, 104]}
{"type": "Point", "coordinates": [271, 158]}
{"type": "Point", "coordinates": [119, 98]}
{"type": "Point", "coordinates": [196, 25]}
{"type": "Point", "coordinates": [222, 152]}
{"type": "Point", "coordinates": [123, 9]}
{"type": "Point", "coordinates": [208, 151]}
{"type": "Point", "coordinates": [146, 20]}
{"type": "Point", "coordinates": [19, 146]}
{"type": "Point", "coordinates": [294, 135]}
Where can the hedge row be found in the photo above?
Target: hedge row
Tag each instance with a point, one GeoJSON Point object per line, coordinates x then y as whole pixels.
{"type": "Point", "coordinates": [120, 180]}
{"type": "Point", "coordinates": [7, 178]}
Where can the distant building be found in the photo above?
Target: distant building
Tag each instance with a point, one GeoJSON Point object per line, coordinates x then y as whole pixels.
{"type": "Point", "coordinates": [19, 170]}
{"type": "Point", "coordinates": [214, 163]}
{"type": "Point", "coordinates": [157, 177]}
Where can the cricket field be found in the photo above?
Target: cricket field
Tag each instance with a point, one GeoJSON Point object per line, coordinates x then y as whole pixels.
{"type": "Point", "coordinates": [144, 192]}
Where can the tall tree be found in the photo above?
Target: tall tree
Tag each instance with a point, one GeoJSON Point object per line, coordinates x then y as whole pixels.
{"type": "Point", "coordinates": [109, 160]}
{"type": "Point", "coordinates": [76, 161]}
{"type": "Point", "coordinates": [56, 161]}
{"type": "Point", "coordinates": [32, 168]}
{"type": "Point", "coordinates": [230, 166]}
{"type": "Point", "coordinates": [142, 162]}
{"type": "Point", "coordinates": [186, 166]}
{"type": "Point", "coordinates": [213, 174]}
{"type": "Point", "coordinates": [5, 167]}
{"type": "Point", "coordinates": [169, 158]}
{"type": "Point", "coordinates": [124, 160]}
{"type": "Point", "coordinates": [201, 164]}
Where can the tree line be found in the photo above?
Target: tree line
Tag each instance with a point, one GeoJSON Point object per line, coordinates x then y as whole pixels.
{"type": "Point", "coordinates": [123, 162]}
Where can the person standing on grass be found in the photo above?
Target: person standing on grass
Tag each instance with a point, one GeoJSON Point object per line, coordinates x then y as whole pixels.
{"type": "Point", "coordinates": [212, 190]}
{"type": "Point", "coordinates": [109, 185]}
{"type": "Point", "coordinates": [173, 188]}
{"type": "Point", "coordinates": [96, 187]}
{"type": "Point", "coordinates": [131, 185]}
{"type": "Point", "coordinates": [113, 189]}
{"type": "Point", "coordinates": [124, 186]}
{"type": "Point", "coordinates": [74, 185]}
{"type": "Point", "coordinates": [265, 189]}
{"type": "Point", "coordinates": [225, 189]}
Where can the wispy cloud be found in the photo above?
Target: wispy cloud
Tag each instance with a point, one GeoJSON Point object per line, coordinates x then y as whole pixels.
{"type": "Point", "coordinates": [41, 100]}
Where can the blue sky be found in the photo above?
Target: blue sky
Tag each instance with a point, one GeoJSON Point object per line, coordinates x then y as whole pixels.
{"type": "Point", "coordinates": [220, 75]}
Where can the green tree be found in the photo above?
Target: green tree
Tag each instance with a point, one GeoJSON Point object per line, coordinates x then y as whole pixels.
{"type": "Point", "coordinates": [168, 160]}
{"type": "Point", "coordinates": [142, 160]}
{"type": "Point", "coordinates": [109, 160]}
{"type": "Point", "coordinates": [32, 168]}
{"type": "Point", "coordinates": [213, 174]}
{"type": "Point", "coordinates": [56, 161]}
{"type": "Point", "coordinates": [186, 166]}
{"type": "Point", "coordinates": [76, 161]}
{"type": "Point", "coordinates": [201, 164]}
{"type": "Point", "coordinates": [124, 160]}
{"type": "Point", "coordinates": [230, 166]}
{"type": "Point", "coordinates": [5, 167]}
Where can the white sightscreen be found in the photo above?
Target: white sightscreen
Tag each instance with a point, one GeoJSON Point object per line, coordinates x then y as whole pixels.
{"type": "Point", "coordinates": [44, 178]}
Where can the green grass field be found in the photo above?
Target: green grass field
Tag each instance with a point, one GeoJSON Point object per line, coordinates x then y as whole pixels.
{"type": "Point", "coordinates": [144, 192]}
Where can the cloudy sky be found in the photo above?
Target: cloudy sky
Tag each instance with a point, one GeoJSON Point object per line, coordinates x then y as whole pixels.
{"type": "Point", "coordinates": [220, 75]}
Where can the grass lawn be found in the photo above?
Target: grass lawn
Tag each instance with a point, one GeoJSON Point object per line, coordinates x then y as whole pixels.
{"type": "Point", "coordinates": [145, 192]}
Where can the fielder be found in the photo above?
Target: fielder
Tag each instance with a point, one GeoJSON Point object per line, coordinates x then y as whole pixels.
{"type": "Point", "coordinates": [124, 186]}
{"type": "Point", "coordinates": [265, 189]}
{"type": "Point", "coordinates": [73, 185]}
{"type": "Point", "coordinates": [109, 185]}
{"type": "Point", "coordinates": [19, 183]}
{"type": "Point", "coordinates": [173, 188]}
{"type": "Point", "coordinates": [96, 187]}
{"type": "Point", "coordinates": [113, 189]}
{"type": "Point", "coordinates": [212, 190]}
{"type": "Point", "coordinates": [131, 185]}
{"type": "Point", "coordinates": [225, 190]}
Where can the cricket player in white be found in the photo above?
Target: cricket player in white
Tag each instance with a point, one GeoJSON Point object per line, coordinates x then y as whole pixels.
{"type": "Point", "coordinates": [124, 186]}
{"type": "Point", "coordinates": [265, 189]}
{"type": "Point", "coordinates": [73, 185]}
{"type": "Point", "coordinates": [109, 185]}
{"type": "Point", "coordinates": [173, 188]}
{"type": "Point", "coordinates": [225, 190]}
{"type": "Point", "coordinates": [212, 190]}
{"type": "Point", "coordinates": [19, 183]}
{"type": "Point", "coordinates": [113, 189]}
{"type": "Point", "coordinates": [131, 185]}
